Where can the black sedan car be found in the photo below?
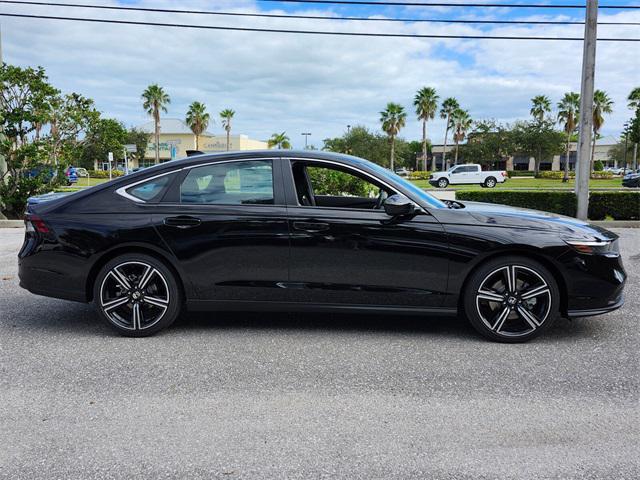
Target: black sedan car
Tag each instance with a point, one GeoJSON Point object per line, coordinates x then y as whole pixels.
{"type": "Point", "coordinates": [286, 230]}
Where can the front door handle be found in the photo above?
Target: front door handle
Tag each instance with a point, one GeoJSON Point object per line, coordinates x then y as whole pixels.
{"type": "Point", "coordinates": [182, 221]}
{"type": "Point", "coordinates": [311, 226]}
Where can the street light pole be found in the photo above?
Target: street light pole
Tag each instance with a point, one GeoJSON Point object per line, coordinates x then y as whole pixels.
{"type": "Point", "coordinates": [626, 137]}
{"type": "Point", "coordinates": [306, 136]}
{"type": "Point", "coordinates": [583, 162]}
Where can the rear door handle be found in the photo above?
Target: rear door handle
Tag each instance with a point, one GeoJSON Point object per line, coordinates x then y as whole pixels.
{"type": "Point", "coordinates": [311, 226]}
{"type": "Point", "coordinates": [182, 221]}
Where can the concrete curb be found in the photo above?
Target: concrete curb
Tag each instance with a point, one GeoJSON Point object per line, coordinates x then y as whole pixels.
{"type": "Point", "coordinates": [11, 223]}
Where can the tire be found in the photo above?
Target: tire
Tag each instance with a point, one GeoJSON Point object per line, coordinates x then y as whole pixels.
{"type": "Point", "coordinates": [490, 182]}
{"type": "Point", "coordinates": [133, 311]}
{"type": "Point", "coordinates": [443, 183]}
{"type": "Point", "coordinates": [506, 314]}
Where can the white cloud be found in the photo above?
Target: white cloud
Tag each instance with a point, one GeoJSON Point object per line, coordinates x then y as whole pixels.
{"type": "Point", "coordinates": [310, 83]}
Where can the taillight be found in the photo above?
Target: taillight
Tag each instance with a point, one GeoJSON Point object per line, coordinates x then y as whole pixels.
{"type": "Point", "coordinates": [504, 174]}
{"type": "Point", "coordinates": [34, 223]}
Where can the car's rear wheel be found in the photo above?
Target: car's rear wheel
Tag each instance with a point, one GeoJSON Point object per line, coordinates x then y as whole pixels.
{"type": "Point", "coordinates": [443, 183]}
{"type": "Point", "coordinates": [490, 182]}
{"type": "Point", "coordinates": [512, 299]}
{"type": "Point", "coordinates": [137, 295]}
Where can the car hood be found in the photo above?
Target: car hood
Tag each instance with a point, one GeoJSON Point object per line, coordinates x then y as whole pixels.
{"type": "Point", "coordinates": [504, 215]}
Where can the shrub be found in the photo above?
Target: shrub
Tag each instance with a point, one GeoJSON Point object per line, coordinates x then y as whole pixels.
{"type": "Point", "coordinates": [105, 173]}
{"type": "Point", "coordinates": [602, 205]}
{"type": "Point", "coordinates": [334, 182]}
{"type": "Point", "coordinates": [601, 175]}
{"type": "Point", "coordinates": [554, 175]}
{"type": "Point", "coordinates": [617, 205]}
{"type": "Point", "coordinates": [420, 175]}
{"type": "Point", "coordinates": [520, 173]}
{"type": "Point", "coordinates": [598, 166]}
{"type": "Point", "coordinates": [564, 203]}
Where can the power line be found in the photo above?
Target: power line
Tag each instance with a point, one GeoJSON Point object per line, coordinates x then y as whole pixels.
{"type": "Point", "coordinates": [441, 4]}
{"type": "Point", "coordinates": [309, 17]}
{"type": "Point", "coordinates": [308, 32]}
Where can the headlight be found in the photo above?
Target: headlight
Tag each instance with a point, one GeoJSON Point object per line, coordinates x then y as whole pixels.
{"type": "Point", "coordinates": [595, 247]}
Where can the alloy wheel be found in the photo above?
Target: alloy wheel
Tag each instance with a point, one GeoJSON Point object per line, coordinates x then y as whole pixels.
{"type": "Point", "coordinates": [443, 183]}
{"type": "Point", "coordinates": [134, 295]}
{"type": "Point", "coordinates": [491, 183]}
{"type": "Point", "coordinates": [513, 301]}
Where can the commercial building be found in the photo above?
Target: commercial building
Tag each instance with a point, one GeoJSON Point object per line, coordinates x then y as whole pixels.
{"type": "Point", "coordinates": [176, 138]}
{"type": "Point", "coordinates": [519, 162]}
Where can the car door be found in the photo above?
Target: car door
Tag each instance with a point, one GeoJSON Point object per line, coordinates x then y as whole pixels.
{"type": "Point", "coordinates": [226, 224]}
{"type": "Point", "coordinates": [458, 175]}
{"type": "Point", "coordinates": [344, 251]}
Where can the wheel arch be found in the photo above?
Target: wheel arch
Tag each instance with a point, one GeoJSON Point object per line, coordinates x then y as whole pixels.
{"type": "Point", "coordinates": [521, 251]}
{"type": "Point", "coordinates": [127, 249]}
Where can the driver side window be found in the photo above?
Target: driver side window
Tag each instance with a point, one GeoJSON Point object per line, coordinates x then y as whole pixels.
{"type": "Point", "coordinates": [320, 185]}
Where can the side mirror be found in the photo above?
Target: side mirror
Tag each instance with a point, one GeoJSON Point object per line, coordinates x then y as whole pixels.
{"type": "Point", "coordinates": [398, 205]}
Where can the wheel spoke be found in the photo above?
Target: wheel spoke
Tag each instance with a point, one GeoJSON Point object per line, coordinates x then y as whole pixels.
{"type": "Point", "coordinates": [120, 278]}
{"type": "Point", "coordinates": [535, 292]}
{"type": "Point", "coordinates": [511, 278]}
{"type": "Point", "coordinates": [158, 302]}
{"type": "Point", "coordinates": [491, 296]}
{"type": "Point", "coordinates": [529, 317]}
{"type": "Point", "coordinates": [146, 276]}
{"type": "Point", "coordinates": [137, 317]}
{"type": "Point", "coordinates": [110, 305]}
{"type": "Point", "coordinates": [502, 317]}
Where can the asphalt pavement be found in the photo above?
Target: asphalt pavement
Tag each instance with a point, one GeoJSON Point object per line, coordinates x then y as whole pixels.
{"type": "Point", "coordinates": [251, 395]}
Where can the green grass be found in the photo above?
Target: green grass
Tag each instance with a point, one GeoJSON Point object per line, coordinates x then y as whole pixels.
{"type": "Point", "coordinates": [530, 183]}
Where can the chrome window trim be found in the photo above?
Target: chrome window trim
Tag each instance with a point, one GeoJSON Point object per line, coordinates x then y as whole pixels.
{"type": "Point", "coordinates": [122, 191]}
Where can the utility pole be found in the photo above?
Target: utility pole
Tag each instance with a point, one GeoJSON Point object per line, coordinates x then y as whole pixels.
{"type": "Point", "coordinates": [583, 162]}
{"type": "Point", "coordinates": [306, 136]}
{"type": "Point", "coordinates": [626, 137]}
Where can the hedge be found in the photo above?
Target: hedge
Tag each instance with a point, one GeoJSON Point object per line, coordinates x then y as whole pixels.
{"type": "Point", "coordinates": [602, 205]}
{"type": "Point", "coordinates": [617, 205]}
{"type": "Point", "coordinates": [105, 173]}
{"type": "Point", "coordinates": [419, 175]}
{"type": "Point", "coordinates": [554, 174]}
{"type": "Point", "coordinates": [520, 173]}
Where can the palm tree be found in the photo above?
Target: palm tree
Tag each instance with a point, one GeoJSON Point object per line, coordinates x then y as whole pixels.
{"type": "Point", "coordinates": [601, 104]}
{"type": "Point", "coordinates": [426, 103]}
{"type": "Point", "coordinates": [226, 115]}
{"type": "Point", "coordinates": [461, 122]}
{"type": "Point", "coordinates": [198, 120]}
{"type": "Point", "coordinates": [279, 140]}
{"type": "Point", "coordinates": [393, 118]}
{"type": "Point", "coordinates": [155, 100]}
{"type": "Point", "coordinates": [540, 106]}
{"type": "Point", "coordinates": [448, 107]}
{"type": "Point", "coordinates": [634, 99]}
{"type": "Point", "coordinates": [568, 110]}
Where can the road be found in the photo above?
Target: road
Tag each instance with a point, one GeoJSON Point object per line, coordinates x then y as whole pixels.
{"type": "Point", "coordinates": [307, 396]}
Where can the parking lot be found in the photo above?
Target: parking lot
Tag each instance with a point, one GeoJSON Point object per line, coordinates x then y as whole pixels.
{"type": "Point", "coordinates": [237, 395]}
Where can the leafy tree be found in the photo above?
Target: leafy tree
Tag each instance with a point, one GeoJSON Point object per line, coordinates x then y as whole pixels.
{"type": "Point", "coordinates": [155, 100]}
{"type": "Point", "coordinates": [449, 106]}
{"type": "Point", "coordinates": [541, 139]}
{"type": "Point", "coordinates": [634, 99]}
{"type": "Point", "coordinates": [280, 140]}
{"type": "Point", "coordinates": [617, 153]}
{"type": "Point", "coordinates": [227, 115]}
{"type": "Point", "coordinates": [198, 120]}
{"type": "Point", "coordinates": [140, 139]}
{"type": "Point", "coordinates": [568, 112]}
{"type": "Point", "coordinates": [25, 99]}
{"type": "Point", "coordinates": [489, 142]}
{"type": "Point", "coordinates": [461, 122]}
{"type": "Point", "coordinates": [69, 116]}
{"type": "Point", "coordinates": [426, 103]}
{"type": "Point", "coordinates": [602, 104]}
{"type": "Point", "coordinates": [104, 136]}
{"type": "Point", "coordinates": [393, 118]}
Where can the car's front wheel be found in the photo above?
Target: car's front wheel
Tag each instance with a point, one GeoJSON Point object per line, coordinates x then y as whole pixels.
{"type": "Point", "coordinates": [137, 295]}
{"type": "Point", "coordinates": [443, 183]}
{"type": "Point", "coordinates": [511, 299]}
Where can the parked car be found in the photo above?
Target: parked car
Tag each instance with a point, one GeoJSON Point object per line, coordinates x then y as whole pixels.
{"type": "Point", "coordinates": [467, 175]}
{"type": "Point", "coordinates": [632, 179]}
{"type": "Point", "coordinates": [262, 230]}
{"type": "Point", "coordinates": [403, 172]}
{"type": "Point", "coordinates": [615, 170]}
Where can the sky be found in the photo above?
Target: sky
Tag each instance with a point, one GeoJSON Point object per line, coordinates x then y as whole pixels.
{"type": "Point", "coordinates": [320, 84]}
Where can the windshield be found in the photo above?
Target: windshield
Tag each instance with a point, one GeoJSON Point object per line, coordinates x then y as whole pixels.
{"type": "Point", "coordinates": [414, 189]}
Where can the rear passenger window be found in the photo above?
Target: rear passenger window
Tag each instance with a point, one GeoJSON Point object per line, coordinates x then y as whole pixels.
{"type": "Point", "coordinates": [150, 190]}
{"type": "Point", "coordinates": [232, 183]}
